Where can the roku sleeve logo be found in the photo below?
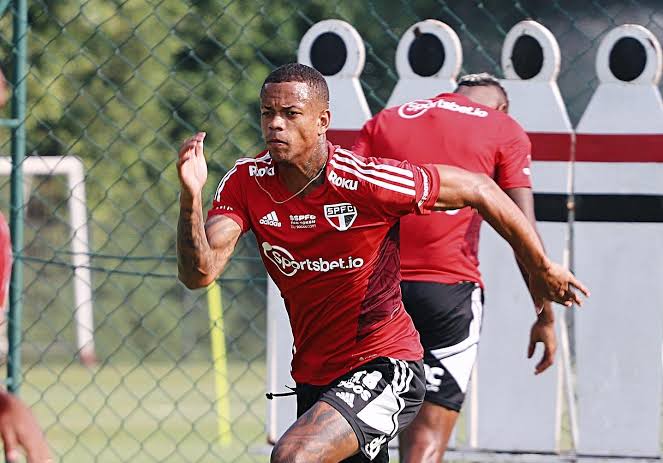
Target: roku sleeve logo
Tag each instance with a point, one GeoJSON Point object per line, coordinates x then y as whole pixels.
{"type": "Point", "coordinates": [255, 171]}
{"type": "Point", "coordinates": [417, 108]}
{"type": "Point", "coordinates": [288, 265]}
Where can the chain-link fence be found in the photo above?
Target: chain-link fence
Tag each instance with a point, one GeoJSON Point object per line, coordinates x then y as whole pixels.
{"type": "Point", "coordinates": [119, 84]}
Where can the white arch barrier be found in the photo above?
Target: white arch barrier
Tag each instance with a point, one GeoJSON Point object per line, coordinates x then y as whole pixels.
{"type": "Point", "coordinates": [426, 69]}
{"type": "Point", "coordinates": [506, 383]}
{"type": "Point", "coordinates": [336, 49]}
{"type": "Point", "coordinates": [618, 250]}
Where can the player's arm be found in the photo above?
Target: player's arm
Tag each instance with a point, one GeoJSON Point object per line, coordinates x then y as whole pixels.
{"type": "Point", "coordinates": [543, 329]}
{"type": "Point", "coordinates": [524, 199]}
{"type": "Point", "coordinates": [203, 249]}
{"type": "Point", "coordinates": [20, 431]}
{"type": "Point", "coordinates": [547, 280]}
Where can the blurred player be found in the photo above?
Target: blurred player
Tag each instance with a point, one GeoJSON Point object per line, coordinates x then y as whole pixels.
{"type": "Point", "coordinates": [326, 224]}
{"type": "Point", "coordinates": [18, 427]}
{"type": "Point", "coordinates": [4, 90]}
{"type": "Point", "coordinates": [442, 287]}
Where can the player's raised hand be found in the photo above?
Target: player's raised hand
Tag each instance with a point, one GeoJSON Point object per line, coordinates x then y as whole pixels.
{"type": "Point", "coordinates": [191, 164]}
{"type": "Point", "coordinates": [556, 284]}
{"type": "Point", "coordinates": [20, 432]}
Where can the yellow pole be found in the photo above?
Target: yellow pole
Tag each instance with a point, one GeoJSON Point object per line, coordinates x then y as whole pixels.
{"type": "Point", "coordinates": [217, 335]}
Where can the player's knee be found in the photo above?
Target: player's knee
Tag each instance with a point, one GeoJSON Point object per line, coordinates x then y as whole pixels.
{"type": "Point", "coordinates": [280, 454]}
{"type": "Point", "coordinates": [288, 452]}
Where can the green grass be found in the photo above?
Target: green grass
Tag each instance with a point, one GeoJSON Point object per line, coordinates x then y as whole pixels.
{"type": "Point", "coordinates": [149, 412]}
{"type": "Point", "coordinates": [146, 412]}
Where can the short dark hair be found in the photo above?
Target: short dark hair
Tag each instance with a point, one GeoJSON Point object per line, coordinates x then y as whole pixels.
{"type": "Point", "coordinates": [295, 72]}
{"type": "Point", "coordinates": [482, 79]}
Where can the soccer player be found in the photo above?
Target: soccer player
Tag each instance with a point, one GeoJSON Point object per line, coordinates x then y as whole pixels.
{"type": "Point", "coordinates": [326, 224]}
{"type": "Point", "coordinates": [442, 287]}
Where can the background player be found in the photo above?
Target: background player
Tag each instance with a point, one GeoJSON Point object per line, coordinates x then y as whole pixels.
{"type": "Point", "coordinates": [18, 427]}
{"type": "Point", "coordinates": [442, 287]}
{"type": "Point", "coordinates": [356, 353]}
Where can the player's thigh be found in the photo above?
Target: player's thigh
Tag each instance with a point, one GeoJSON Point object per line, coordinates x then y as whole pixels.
{"type": "Point", "coordinates": [449, 320]}
{"type": "Point", "coordinates": [320, 434]}
{"type": "Point", "coordinates": [432, 427]}
{"type": "Point", "coordinates": [378, 399]}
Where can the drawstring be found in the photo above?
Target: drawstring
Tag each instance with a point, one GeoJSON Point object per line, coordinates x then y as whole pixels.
{"type": "Point", "coordinates": [271, 395]}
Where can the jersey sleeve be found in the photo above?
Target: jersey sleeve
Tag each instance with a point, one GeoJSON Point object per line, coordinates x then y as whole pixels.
{"type": "Point", "coordinates": [363, 145]}
{"type": "Point", "coordinates": [229, 199]}
{"type": "Point", "coordinates": [391, 188]}
{"type": "Point", "coordinates": [514, 159]}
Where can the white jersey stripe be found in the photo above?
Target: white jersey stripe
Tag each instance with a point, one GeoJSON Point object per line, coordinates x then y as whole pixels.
{"type": "Point", "coordinates": [265, 158]}
{"type": "Point", "coordinates": [375, 173]}
{"type": "Point", "coordinates": [385, 185]}
{"type": "Point", "coordinates": [387, 167]}
{"type": "Point", "coordinates": [222, 183]}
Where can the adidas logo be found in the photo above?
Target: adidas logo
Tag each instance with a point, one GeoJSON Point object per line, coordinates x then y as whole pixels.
{"type": "Point", "coordinates": [270, 219]}
{"type": "Point", "coordinates": [347, 397]}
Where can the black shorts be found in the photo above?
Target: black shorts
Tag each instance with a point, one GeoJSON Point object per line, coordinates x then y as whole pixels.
{"type": "Point", "coordinates": [378, 399]}
{"type": "Point", "coordinates": [448, 318]}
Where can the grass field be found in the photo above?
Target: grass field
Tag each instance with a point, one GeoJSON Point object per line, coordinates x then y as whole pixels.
{"type": "Point", "coordinates": [146, 412]}
{"type": "Point", "coordinates": [149, 412]}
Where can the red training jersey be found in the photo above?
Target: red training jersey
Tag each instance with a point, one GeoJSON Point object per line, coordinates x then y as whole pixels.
{"type": "Point", "coordinates": [334, 254]}
{"type": "Point", "coordinates": [448, 129]}
{"type": "Point", "coordinates": [5, 261]}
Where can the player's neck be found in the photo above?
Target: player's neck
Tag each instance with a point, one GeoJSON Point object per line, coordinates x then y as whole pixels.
{"type": "Point", "coordinates": [296, 175]}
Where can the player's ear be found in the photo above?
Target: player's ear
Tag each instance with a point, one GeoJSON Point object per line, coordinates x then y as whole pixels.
{"type": "Point", "coordinates": [323, 121]}
{"type": "Point", "coordinates": [504, 107]}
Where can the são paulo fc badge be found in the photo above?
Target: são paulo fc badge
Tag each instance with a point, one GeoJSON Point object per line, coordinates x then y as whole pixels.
{"type": "Point", "coordinates": [341, 216]}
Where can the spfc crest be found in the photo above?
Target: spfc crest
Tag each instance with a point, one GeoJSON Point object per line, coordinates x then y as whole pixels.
{"type": "Point", "coordinates": [341, 216]}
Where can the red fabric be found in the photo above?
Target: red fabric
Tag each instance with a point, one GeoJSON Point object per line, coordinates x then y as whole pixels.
{"type": "Point", "coordinates": [5, 260]}
{"type": "Point", "coordinates": [619, 147]}
{"type": "Point", "coordinates": [448, 129]}
{"type": "Point", "coordinates": [334, 255]}
{"type": "Point", "coordinates": [342, 137]}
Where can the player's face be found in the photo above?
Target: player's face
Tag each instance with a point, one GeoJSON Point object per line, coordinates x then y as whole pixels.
{"type": "Point", "coordinates": [292, 120]}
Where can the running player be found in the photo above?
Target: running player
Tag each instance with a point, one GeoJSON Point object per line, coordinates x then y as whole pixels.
{"type": "Point", "coordinates": [326, 223]}
{"type": "Point", "coordinates": [442, 287]}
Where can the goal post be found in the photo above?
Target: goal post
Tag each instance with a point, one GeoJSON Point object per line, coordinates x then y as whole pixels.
{"type": "Point", "coordinates": [72, 168]}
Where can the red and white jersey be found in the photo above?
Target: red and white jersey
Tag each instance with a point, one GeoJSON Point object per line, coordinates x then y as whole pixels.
{"type": "Point", "coordinates": [334, 254]}
{"type": "Point", "coordinates": [448, 129]}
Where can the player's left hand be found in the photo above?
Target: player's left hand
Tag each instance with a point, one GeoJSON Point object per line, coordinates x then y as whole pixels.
{"type": "Point", "coordinates": [543, 331]}
{"type": "Point", "coordinates": [556, 284]}
{"type": "Point", "coordinates": [20, 431]}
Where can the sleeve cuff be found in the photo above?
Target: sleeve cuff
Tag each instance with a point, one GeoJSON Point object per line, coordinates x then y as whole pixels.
{"type": "Point", "coordinates": [241, 222]}
{"type": "Point", "coordinates": [429, 198]}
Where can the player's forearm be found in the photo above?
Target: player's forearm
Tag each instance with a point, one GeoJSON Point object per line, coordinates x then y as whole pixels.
{"type": "Point", "coordinates": [195, 263]}
{"type": "Point", "coordinates": [508, 220]}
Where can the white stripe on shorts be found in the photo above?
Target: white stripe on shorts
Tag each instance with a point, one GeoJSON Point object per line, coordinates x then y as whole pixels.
{"type": "Point", "coordinates": [459, 359]}
{"type": "Point", "coordinates": [382, 412]}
